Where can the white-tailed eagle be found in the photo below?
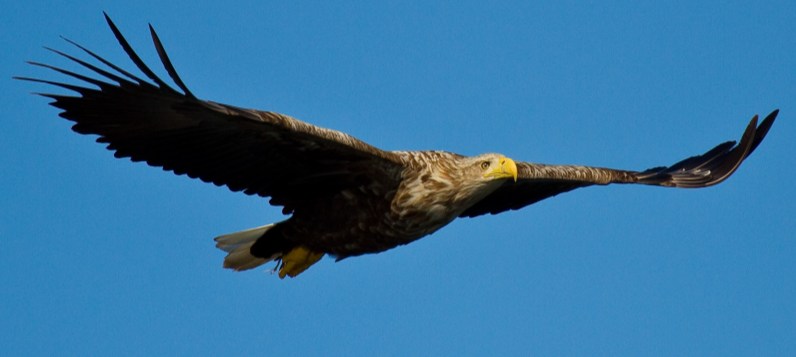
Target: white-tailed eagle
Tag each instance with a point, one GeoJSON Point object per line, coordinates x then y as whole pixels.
{"type": "Point", "coordinates": [344, 196]}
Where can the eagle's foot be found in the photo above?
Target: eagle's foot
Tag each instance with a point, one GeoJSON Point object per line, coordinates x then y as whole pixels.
{"type": "Point", "coordinates": [298, 260]}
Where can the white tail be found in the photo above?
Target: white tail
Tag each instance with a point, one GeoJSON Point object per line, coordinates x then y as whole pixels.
{"type": "Point", "coordinates": [239, 244]}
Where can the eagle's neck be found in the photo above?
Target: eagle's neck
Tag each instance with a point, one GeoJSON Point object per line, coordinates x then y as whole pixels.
{"type": "Point", "coordinates": [434, 191]}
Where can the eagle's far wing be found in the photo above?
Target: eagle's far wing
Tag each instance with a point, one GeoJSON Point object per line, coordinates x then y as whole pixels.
{"type": "Point", "coordinates": [259, 153]}
{"type": "Point", "coordinates": [537, 181]}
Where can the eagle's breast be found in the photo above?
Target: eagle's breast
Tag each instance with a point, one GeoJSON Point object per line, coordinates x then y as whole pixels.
{"type": "Point", "coordinates": [429, 196]}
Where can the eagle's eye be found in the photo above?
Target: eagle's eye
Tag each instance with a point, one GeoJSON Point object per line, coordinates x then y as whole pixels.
{"type": "Point", "coordinates": [484, 165]}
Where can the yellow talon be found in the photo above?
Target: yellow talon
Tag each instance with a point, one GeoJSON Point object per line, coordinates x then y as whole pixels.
{"type": "Point", "coordinates": [298, 260]}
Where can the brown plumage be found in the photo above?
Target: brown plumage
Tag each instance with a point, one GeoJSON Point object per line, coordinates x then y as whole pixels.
{"type": "Point", "coordinates": [345, 196]}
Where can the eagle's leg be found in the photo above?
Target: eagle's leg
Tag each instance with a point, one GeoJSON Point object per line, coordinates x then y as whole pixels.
{"type": "Point", "coordinates": [298, 260]}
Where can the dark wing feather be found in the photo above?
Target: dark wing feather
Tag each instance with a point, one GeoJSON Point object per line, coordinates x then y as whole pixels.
{"type": "Point", "coordinates": [259, 153]}
{"type": "Point", "coordinates": [537, 182]}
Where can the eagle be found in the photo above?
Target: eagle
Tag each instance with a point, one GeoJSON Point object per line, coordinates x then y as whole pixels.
{"type": "Point", "coordinates": [344, 197]}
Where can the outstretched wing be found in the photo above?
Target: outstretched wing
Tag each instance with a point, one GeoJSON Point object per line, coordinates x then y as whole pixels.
{"type": "Point", "coordinates": [537, 182]}
{"type": "Point", "coordinates": [257, 152]}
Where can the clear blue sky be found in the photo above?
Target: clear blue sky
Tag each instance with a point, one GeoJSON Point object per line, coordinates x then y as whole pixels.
{"type": "Point", "coordinates": [103, 256]}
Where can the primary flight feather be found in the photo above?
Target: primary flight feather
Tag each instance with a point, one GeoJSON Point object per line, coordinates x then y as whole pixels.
{"type": "Point", "coordinates": [345, 197]}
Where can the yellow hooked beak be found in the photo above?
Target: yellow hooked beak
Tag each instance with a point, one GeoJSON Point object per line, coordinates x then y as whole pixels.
{"type": "Point", "coordinates": [506, 169]}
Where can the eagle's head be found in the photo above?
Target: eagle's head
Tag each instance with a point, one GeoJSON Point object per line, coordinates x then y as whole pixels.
{"type": "Point", "coordinates": [478, 176]}
{"type": "Point", "coordinates": [489, 168]}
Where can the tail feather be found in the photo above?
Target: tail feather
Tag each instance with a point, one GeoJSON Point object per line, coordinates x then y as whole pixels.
{"type": "Point", "coordinates": [270, 245]}
{"type": "Point", "coordinates": [239, 244]}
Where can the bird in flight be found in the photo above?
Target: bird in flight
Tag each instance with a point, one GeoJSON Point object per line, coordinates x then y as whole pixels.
{"type": "Point", "coordinates": [344, 197]}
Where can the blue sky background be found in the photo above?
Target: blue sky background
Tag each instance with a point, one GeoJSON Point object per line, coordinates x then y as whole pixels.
{"type": "Point", "coordinates": [102, 256]}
